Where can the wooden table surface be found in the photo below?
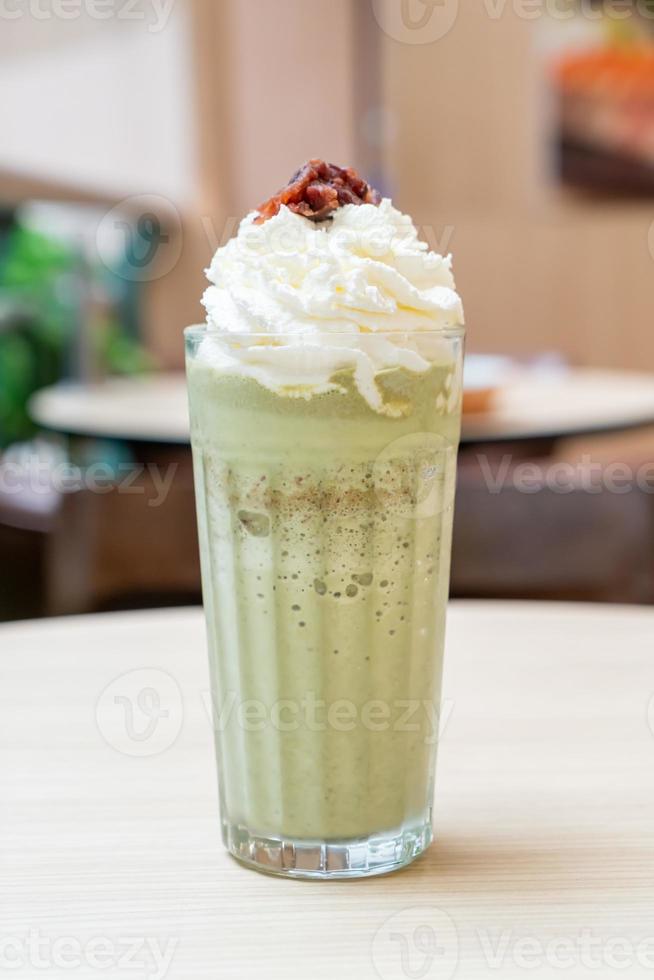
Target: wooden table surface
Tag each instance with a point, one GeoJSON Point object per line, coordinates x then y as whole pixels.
{"type": "Point", "coordinates": [530, 405]}
{"type": "Point", "coordinates": [544, 859]}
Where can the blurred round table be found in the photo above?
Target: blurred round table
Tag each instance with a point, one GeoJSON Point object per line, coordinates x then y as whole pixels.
{"type": "Point", "coordinates": [529, 406]}
{"type": "Point", "coordinates": [544, 853]}
{"type": "Point", "coordinates": [144, 408]}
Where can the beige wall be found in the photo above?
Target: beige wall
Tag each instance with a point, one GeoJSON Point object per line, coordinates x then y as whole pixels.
{"type": "Point", "coordinates": [271, 92]}
{"type": "Point", "coordinates": [99, 106]}
{"type": "Point", "coordinates": [538, 269]}
{"type": "Point", "coordinates": [283, 93]}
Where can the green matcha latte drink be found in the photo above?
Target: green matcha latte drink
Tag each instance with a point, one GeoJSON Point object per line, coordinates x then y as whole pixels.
{"type": "Point", "coordinates": [325, 395]}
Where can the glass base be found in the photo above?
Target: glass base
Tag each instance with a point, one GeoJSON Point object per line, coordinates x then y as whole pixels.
{"type": "Point", "coordinates": [360, 858]}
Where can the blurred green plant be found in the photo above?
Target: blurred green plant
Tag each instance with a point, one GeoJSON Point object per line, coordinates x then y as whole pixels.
{"type": "Point", "coordinates": [34, 324]}
{"type": "Point", "coordinates": [118, 352]}
{"type": "Point", "coordinates": [39, 321]}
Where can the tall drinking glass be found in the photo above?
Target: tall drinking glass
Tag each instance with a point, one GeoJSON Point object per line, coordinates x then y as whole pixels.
{"type": "Point", "coordinates": [325, 530]}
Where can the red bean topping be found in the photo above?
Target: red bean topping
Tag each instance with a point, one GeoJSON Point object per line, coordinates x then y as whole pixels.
{"type": "Point", "coordinates": [317, 190]}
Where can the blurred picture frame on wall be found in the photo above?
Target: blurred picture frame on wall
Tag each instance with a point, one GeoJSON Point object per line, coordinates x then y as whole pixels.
{"type": "Point", "coordinates": [601, 72]}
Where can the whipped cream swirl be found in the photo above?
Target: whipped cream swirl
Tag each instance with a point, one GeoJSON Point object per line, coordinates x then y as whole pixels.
{"type": "Point", "coordinates": [293, 302]}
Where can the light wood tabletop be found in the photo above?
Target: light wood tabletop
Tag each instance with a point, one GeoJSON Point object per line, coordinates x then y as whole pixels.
{"type": "Point", "coordinates": [528, 405]}
{"type": "Point", "coordinates": [543, 864]}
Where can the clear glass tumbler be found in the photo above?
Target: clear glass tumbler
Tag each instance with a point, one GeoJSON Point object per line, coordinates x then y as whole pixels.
{"type": "Point", "coordinates": [325, 535]}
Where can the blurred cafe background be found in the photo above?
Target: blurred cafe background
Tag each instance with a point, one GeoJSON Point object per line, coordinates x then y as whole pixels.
{"type": "Point", "coordinates": [133, 137]}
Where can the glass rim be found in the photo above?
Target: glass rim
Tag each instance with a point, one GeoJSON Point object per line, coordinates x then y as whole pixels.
{"type": "Point", "coordinates": [201, 330]}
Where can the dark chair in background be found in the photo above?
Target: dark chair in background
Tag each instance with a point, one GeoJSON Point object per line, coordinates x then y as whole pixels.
{"type": "Point", "coordinates": [126, 549]}
{"type": "Point", "coordinates": [28, 516]}
{"type": "Point", "coordinates": [550, 545]}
